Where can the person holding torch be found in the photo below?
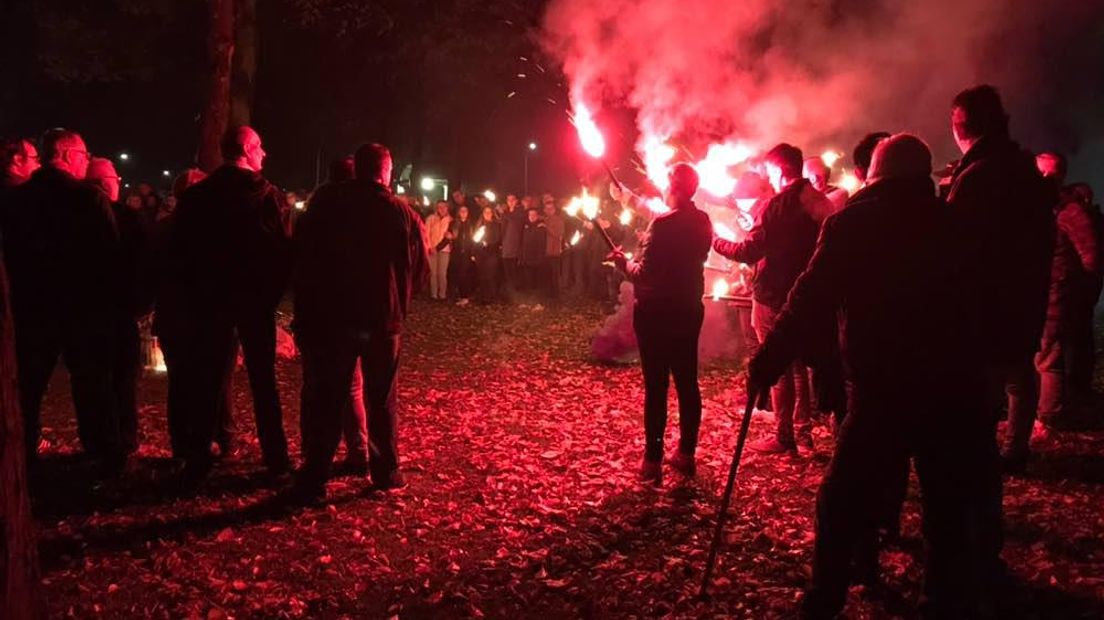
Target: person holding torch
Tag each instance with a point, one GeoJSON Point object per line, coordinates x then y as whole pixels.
{"type": "Point", "coordinates": [668, 280]}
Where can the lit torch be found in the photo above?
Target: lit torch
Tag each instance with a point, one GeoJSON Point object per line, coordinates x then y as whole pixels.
{"type": "Point", "coordinates": [850, 182]}
{"type": "Point", "coordinates": [479, 234]}
{"type": "Point", "coordinates": [829, 158]}
{"type": "Point", "coordinates": [723, 231]}
{"type": "Point", "coordinates": [720, 288]}
{"type": "Point", "coordinates": [592, 140]}
{"type": "Point", "coordinates": [575, 238]}
{"type": "Point", "coordinates": [626, 217]}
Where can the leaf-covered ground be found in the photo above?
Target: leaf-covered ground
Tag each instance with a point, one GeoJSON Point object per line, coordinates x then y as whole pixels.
{"type": "Point", "coordinates": [521, 502]}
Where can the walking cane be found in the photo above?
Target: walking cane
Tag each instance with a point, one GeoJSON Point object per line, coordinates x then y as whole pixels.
{"type": "Point", "coordinates": [741, 438]}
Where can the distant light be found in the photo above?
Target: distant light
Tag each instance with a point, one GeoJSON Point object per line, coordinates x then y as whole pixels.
{"type": "Point", "coordinates": [532, 146]}
{"type": "Point", "coordinates": [490, 195]}
{"type": "Point", "coordinates": [124, 156]}
{"type": "Point", "coordinates": [300, 204]}
{"type": "Point", "coordinates": [126, 184]}
{"type": "Point", "coordinates": [428, 184]}
{"type": "Point", "coordinates": [829, 158]}
{"type": "Point", "coordinates": [400, 189]}
{"type": "Point", "coordinates": [166, 173]}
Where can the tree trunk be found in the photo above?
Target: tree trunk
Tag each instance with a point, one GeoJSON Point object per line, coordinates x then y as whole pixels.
{"type": "Point", "coordinates": [18, 556]}
{"type": "Point", "coordinates": [216, 112]}
{"type": "Point", "coordinates": [242, 84]}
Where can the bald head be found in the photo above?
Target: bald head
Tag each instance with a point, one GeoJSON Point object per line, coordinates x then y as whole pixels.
{"type": "Point", "coordinates": [815, 170]}
{"type": "Point", "coordinates": [241, 146]}
{"type": "Point", "coordinates": [901, 156]}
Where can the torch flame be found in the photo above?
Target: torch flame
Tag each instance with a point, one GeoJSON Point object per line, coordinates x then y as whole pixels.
{"type": "Point", "coordinates": [626, 217]}
{"type": "Point", "coordinates": [576, 237]}
{"type": "Point", "coordinates": [490, 195]}
{"type": "Point", "coordinates": [478, 236]}
{"type": "Point", "coordinates": [590, 205]}
{"type": "Point", "coordinates": [850, 182]}
{"type": "Point", "coordinates": [657, 206]}
{"type": "Point", "coordinates": [713, 170]}
{"type": "Point", "coordinates": [723, 231]}
{"type": "Point", "coordinates": [589, 135]}
{"type": "Point", "coordinates": [720, 288]}
{"type": "Point", "coordinates": [656, 155]}
{"type": "Point", "coordinates": [829, 158]}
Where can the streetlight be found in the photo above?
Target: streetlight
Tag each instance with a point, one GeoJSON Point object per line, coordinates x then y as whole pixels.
{"type": "Point", "coordinates": [532, 149]}
{"type": "Point", "coordinates": [166, 173]}
{"type": "Point", "coordinates": [428, 184]}
{"type": "Point", "coordinates": [124, 156]}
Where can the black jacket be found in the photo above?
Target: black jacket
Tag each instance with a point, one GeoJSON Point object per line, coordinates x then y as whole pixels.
{"type": "Point", "coordinates": [670, 267]}
{"type": "Point", "coordinates": [880, 263]}
{"type": "Point", "coordinates": [136, 234]}
{"type": "Point", "coordinates": [62, 249]}
{"type": "Point", "coordinates": [534, 243]}
{"type": "Point", "coordinates": [781, 242]}
{"type": "Point", "coordinates": [1004, 233]}
{"type": "Point", "coordinates": [229, 246]}
{"type": "Point", "coordinates": [360, 255]}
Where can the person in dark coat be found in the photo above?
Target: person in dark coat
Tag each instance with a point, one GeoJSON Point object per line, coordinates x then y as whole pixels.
{"type": "Point", "coordinates": [461, 268]}
{"type": "Point", "coordinates": [1004, 230]}
{"type": "Point", "coordinates": [229, 261]}
{"type": "Point", "coordinates": [488, 250]}
{"type": "Point", "coordinates": [1075, 261]}
{"type": "Point", "coordinates": [513, 221]}
{"type": "Point", "coordinates": [878, 263]}
{"type": "Point", "coordinates": [1082, 341]}
{"type": "Point", "coordinates": [668, 284]}
{"type": "Point", "coordinates": [534, 248]}
{"type": "Point", "coordinates": [63, 252]}
{"type": "Point", "coordinates": [779, 245]}
{"type": "Point", "coordinates": [136, 296]}
{"type": "Point", "coordinates": [360, 256]}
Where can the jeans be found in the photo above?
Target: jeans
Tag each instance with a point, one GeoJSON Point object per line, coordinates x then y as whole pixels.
{"type": "Point", "coordinates": [355, 421]}
{"type": "Point", "coordinates": [438, 274]}
{"type": "Point", "coordinates": [790, 395]}
{"type": "Point", "coordinates": [667, 334]}
{"type": "Point", "coordinates": [328, 363]}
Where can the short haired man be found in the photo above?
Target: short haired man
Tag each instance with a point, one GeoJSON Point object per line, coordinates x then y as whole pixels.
{"type": "Point", "coordinates": [668, 284]}
{"type": "Point", "coordinates": [863, 153]}
{"type": "Point", "coordinates": [18, 160]}
{"type": "Point", "coordinates": [63, 250]}
{"type": "Point", "coordinates": [1002, 214]}
{"type": "Point", "coordinates": [780, 245]}
{"type": "Point", "coordinates": [361, 255]}
{"type": "Point", "coordinates": [229, 261]}
{"type": "Point", "coordinates": [819, 174]}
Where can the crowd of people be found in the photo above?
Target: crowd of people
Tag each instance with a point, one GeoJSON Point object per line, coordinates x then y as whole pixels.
{"type": "Point", "coordinates": [908, 310]}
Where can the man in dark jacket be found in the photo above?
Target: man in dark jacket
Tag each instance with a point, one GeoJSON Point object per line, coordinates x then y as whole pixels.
{"type": "Point", "coordinates": [360, 256]}
{"type": "Point", "coordinates": [134, 297]}
{"type": "Point", "coordinates": [668, 284]}
{"type": "Point", "coordinates": [780, 245]}
{"type": "Point", "coordinates": [229, 260]}
{"type": "Point", "coordinates": [1004, 230]}
{"type": "Point", "coordinates": [63, 251]}
{"type": "Point", "coordinates": [878, 263]}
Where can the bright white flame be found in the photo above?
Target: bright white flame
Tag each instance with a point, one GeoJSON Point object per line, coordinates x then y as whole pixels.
{"type": "Point", "coordinates": [720, 288]}
{"type": "Point", "coordinates": [657, 154]}
{"type": "Point", "coordinates": [300, 205]}
{"type": "Point", "coordinates": [657, 206]}
{"type": "Point", "coordinates": [626, 217]}
{"type": "Point", "coordinates": [628, 255]}
{"type": "Point", "coordinates": [428, 184]}
{"type": "Point", "coordinates": [490, 195]}
{"type": "Point", "coordinates": [590, 205]}
{"type": "Point", "coordinates": [479, 234]}
{"type": "Point", "coordinates": [589, 135]}
{"type": "Point", "coordinates": [830, 158]}
{"type": "Point", "coordinates": [850, 182]}
{"type": "Point", "coordinates": [576, 237]}
{"type": "Point", "coordinates": [723, 231]}
{"type": "Point", "coordinates": [745, 204]}
{"type": "Point", "coordinates": [399, 189]}
{"type": "Point", "coordinates": [713, 170]}
{"type": "Point", "coordinates": [573, 206]}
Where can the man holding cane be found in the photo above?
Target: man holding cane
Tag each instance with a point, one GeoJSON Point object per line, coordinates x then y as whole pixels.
{"type": "Point", "coordinates": [668, 284]}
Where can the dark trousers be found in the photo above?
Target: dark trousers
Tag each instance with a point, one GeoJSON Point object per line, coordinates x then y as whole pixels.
{"type": "Point", "coordinates": [88, 350]}
{"type": "Point", "coordinates": [552, 278]}
{"type": "Point", "coordinates": [875, 443]}
{"type": "Point", "coordinates": [510, 276]}
{"type": "Point", "coordinates": [667, 334]}
{"type": "Point", "coordinates": [1082, 345]}
{"type": "Point", "coordinates": [487, 268]}
{"type": "Point", "coordinates": [328, 363]}
{"type": "Point", "coordinates": [128, 367]}
{"type": "Point", "coordinates": [184, 364]}
{"type": "Point", "coordinates": [206, 357]}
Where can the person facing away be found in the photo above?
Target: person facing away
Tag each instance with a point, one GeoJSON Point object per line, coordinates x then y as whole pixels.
{"type": "Point", "coordinates": [878, 263]}
{"type": "Point", "coordinates": [668, 284]}
{"type": "Point", "coordinates": [780, 245]}
{"type": "Point", "coordinates": [1003, 223]}
{"type": "Point", "coordinates": [229, 261]}
{"type": "Point", "coordinates": [439, 235]}
{"type": "Point", "coordinates": [63, 254]}
{"type": "Point", "coordinates": [360, 256]}
{"type": "Point", "coordinates": [1075, 260]}
{"type": "Point", "coordinates": [488, 248]}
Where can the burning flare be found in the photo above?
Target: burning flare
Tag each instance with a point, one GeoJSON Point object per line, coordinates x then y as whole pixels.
{"type": "Point", "coordinates": [589, 135]}
{"type": "Point", "coordinates": [657, 206]}
{"type": "Point", "coordinates": [479, 234]}
{"type": "Point", "coordinates": [576, 237]}
{"type": "Point", "coordinates": [850, 182]}
{"type": "Point", "coordinates": [720, 288]}
{"type": "Point", "coordinates": [626, 217]}
{"type": "Point", "coordinates": [723, 231]}
{"type": "Point", "coordinates": [829, 158]}
{"type": "Point", "coordinates": [713, 170]}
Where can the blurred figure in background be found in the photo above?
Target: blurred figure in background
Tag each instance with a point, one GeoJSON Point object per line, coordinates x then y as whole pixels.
{"type": "Point", "coordinates": [439, 233]}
